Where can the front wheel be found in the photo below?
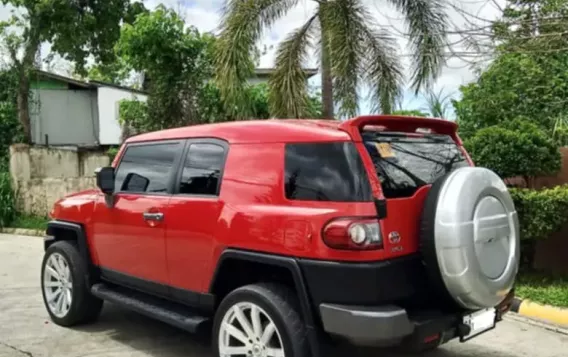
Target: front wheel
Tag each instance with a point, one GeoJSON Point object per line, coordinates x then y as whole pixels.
{"type": "Point", "coordinates": [63, 284]}
{"type": "Point", "coordinates": [260, 320]}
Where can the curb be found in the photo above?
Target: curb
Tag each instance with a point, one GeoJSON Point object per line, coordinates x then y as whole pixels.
{"type": "Point", "coordinates": [546, 313]}
{"type": "Point", "coordinates": [23, 232]}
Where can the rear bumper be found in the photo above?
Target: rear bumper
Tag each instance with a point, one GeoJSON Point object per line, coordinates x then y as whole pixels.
{"type": "Point", "coordinates": [387, 282]}
{"type": "Point", "coordinates": [391, 325]}
{"type": "Point", "coordinates": [367, 326]}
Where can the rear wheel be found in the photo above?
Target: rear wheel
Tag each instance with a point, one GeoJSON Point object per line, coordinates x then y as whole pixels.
{"type": "Point", "coordinates": [63, 284]}
{"type": "Point", "coordinates": [259, 321]}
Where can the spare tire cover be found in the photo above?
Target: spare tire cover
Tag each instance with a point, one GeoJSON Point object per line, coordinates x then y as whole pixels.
{"type": "Point", "coordinates": [470, 237]}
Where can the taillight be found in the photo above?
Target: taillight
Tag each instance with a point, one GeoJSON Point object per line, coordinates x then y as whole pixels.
{"type": "Point", "coordinates": [353, 234]}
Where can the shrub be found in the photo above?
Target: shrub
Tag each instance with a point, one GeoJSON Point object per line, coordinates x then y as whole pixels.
{"type": "Point", "coordinates": [515, 148]}
{"type": "Point", "coordinates": [10, 130]}
{"type": "Point", "coordinates": [542, 212]}
{"type": "Point", "coordinates": [111, 153]}
{"type": "Point", "coordinates": [7, 200]}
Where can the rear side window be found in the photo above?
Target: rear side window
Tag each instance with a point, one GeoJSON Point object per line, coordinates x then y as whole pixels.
{"type": "Point", "coordinates": [202, 170]}
{"type": "Point", "coordinates": [146, 168]}
{"type": "Point", "coordinates": [404, 164]}
{"type": "Point", "coordinates": [325, 172]}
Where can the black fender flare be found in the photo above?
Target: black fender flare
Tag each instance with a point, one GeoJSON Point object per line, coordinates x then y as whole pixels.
{"type": "Point", "coordinates": [291, 264]}
{"type": "Point", "coordinates": [81, 239]}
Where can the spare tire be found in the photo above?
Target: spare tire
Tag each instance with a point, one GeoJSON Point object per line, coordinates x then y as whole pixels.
{"type": "Point", "coordinates": [470, 238]}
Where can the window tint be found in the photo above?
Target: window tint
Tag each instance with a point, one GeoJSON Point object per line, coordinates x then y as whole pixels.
{"type": "Point", "coordinates": [404, 164]}
{"type": "Point", "coordinates": [325, 172]}
{"type": "Point", "coordinates": [146, 168]}
{"type": "Point", "coordinates": [202, 170]}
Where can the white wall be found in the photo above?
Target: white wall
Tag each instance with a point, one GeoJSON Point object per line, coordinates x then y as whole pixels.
{"type": "Point", "coordinates": [108, 100]}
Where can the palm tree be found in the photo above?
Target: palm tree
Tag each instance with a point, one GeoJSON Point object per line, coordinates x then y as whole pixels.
{"type": "Point", "coordinates": [438, 104]}
{"type": "Point", "coordinates": [352, 51]}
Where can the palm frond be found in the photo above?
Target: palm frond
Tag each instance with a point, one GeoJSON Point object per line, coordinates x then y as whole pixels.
{"type": "Point", "coordinates": [342, 26]}
{"type": "Point", "coordinates": [383, 71]}
{"type": "Point", "coordinates": [426, 21]}
{"type": "Point", "coordinates": [288, 95]}
{"type": "Point", "coordinates": [241, 27]}
{"type": "Point", "coordinates": [438, 104]}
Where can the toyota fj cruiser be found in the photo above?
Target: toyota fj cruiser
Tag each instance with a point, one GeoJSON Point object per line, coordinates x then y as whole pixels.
{"type": "Point", "coordinates": [282, 236]}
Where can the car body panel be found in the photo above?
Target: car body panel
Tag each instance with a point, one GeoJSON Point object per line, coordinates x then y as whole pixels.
{"type": "Point", "coordinates": [251, 211]}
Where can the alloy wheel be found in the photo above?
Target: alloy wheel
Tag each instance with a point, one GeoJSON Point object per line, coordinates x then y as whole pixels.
{"type": "Point", "coordinates": [247, 330]}
{"type": "Point", "coordinates": [58, 285]}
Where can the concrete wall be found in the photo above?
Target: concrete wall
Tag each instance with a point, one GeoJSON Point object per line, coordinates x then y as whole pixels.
{"type": "Point", "coordinates": [64, 116]}
{"type": "Point", "coordinates": [108, 100]}
{"type": "Point", "coordinates": [43, 175]}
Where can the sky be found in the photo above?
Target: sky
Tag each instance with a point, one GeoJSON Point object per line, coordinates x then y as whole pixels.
{"type": "Point", "coordinates": [205, 15]}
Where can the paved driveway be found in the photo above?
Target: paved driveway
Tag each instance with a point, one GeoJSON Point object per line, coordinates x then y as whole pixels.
{"type": "Point", "coordinates": [26, 331]}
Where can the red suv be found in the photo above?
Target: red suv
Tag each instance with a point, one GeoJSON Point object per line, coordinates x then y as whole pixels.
{"type": "Point", "coordinates": [285, 236]}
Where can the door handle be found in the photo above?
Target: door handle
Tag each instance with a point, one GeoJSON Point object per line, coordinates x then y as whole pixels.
{"type": "Point", "coordinates": [153, 216]}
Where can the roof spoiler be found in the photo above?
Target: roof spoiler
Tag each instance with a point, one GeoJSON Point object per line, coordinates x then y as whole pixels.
{"type": "Point", "coordinates": [401, 123]}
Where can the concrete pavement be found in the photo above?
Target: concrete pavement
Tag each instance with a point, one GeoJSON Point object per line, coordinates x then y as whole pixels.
{"type": "Point", "coordinates": [26, 331]}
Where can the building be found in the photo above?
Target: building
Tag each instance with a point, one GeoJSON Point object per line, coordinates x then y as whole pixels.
{"type": "Point", "coordinates": [69, 112]}
{"type": "Point", "coordinates": [262, 75]}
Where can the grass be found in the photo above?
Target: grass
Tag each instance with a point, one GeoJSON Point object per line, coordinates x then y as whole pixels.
{"type": "Point", "coordinates": [543, 288]}
{"type": "Point", "coordinates": [29, 222]}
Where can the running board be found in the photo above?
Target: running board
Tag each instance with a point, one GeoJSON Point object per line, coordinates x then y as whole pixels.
{"type": "Point", "coordinates": [159, 309]}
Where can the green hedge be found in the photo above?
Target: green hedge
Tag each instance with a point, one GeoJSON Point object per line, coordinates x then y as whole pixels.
{"type": "Point", "coordinates": [541, 212]}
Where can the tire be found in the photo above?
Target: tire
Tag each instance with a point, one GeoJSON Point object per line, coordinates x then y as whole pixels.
{"type": "Point", "coordinates": [277, 304]}
{"type": "Point", "coordinates": [469, 239]}
{"type": "Point", "coordinates": [84, 307]}
{"type": "Point", "coordinates": [428, 246]}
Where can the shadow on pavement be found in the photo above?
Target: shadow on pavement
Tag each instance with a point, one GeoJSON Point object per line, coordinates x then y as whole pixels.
{"type": "Point", "coordinates": [157, 339]}
{"type": "Point", "coordinates": [152, 337]}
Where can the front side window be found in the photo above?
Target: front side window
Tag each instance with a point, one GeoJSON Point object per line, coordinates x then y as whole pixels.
{"type": "Point", "coordinates": [325, 172]}
{"type": "Point", "coordinates": [202, 169]}
{"type": "Point", "coordinates": [405, 163]}
{"type": "Point", "coordinates": [146, 168]}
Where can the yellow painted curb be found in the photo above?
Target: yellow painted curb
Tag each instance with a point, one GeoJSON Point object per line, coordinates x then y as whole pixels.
{"type": "Point", "coordinates": [551, 314]}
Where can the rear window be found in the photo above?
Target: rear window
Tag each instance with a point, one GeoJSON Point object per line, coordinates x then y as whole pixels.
{"type": "Point", "coordinates": [404, 163]}
{"type": "Point", "coordinates": [325, 172]}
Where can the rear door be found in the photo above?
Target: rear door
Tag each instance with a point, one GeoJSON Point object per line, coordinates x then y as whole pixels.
{"type": "Point", "coordinates": [406, 165]}
{"type": "Point", "coordinates": [194, 217]}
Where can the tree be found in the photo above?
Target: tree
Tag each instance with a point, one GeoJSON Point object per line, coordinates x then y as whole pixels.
{"type": "Point", "coordinates": [516, 148]}
{"type": "Point", "coordinates": [533, 25]}
{"type": "Point", "coordinates": [177, 60]}
{"type": "Point", "coordinates": [438, 104]}
{"type": "Point", "coordinates": [134, 114]}
{"type": "Point", "coordinates": [75, 30]}
{"type": "Point", "coordinates": [352, 51]}
{"type": "Point", "coordinates": [516, 84]}
{"type": "Point", "coordinates": [529, 76]}
{"type": "Point", "coordinates": [411, 112]}
{"type": "Point", "coordinates": [178, 63]}
{"type": "Point", "coordinates": [10, 130]}
{"type": "Point", "coordinates": [116, 71]}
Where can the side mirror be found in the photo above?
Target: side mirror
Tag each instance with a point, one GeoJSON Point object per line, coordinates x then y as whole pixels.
{"type": "Point", "coordinates": [105, 180]}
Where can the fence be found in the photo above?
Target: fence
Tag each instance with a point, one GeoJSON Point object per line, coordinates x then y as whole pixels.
{"type": "Point", "coordinates": [42, 175]}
